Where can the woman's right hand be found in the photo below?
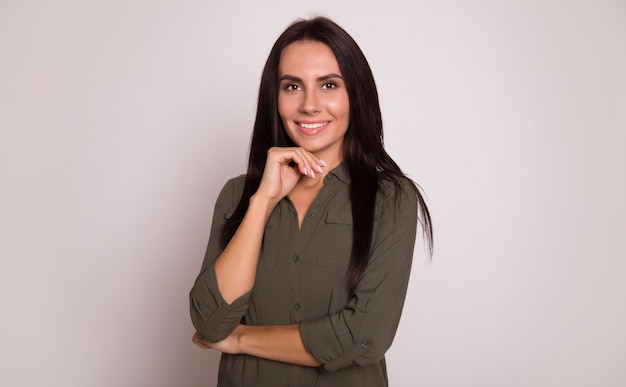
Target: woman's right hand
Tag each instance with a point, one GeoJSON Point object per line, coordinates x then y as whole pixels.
{"type": "Point", "coordinates": [283, 169]}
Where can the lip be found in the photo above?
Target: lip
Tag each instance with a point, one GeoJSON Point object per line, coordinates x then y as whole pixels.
{"type": "Point", "coordinates": [313, 127]}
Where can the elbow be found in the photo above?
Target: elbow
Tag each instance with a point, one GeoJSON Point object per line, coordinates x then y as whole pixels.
{"type": "Point", "coordinates": [215, 320]}
{"type": "Point", "coordinates": [196, 311]}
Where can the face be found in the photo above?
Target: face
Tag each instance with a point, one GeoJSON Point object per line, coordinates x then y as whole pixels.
{"type": "Point", "coordinates": [312, 99]}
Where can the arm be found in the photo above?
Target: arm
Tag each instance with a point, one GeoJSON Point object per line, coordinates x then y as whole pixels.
{"type": "Point", "coordinates": [235, 268]}
{"type": "Point", "coordinates": [275, 342]}
{"type": "Point", "coordinates": [363, 331]}
{"type": "Point", "coordinates": [211, 315]}
{"type": "Point", "coordinates": [220, 294]}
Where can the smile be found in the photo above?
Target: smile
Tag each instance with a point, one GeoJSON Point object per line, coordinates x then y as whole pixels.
{"type": "Point", "coordinates": [313, 126]}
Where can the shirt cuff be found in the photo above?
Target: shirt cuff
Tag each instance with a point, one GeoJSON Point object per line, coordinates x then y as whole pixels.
{"type": "Point", "coordinates": [331, 343]}
{"type": "Point", "coordinates": [212, 316]}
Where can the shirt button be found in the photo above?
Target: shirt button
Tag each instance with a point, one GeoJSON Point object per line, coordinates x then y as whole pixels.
{"type": "Point", "coordinates": [329, 178]}
{"type": "Point", "coordinates": [365, 344]}
{"type": "Point", "coordinates": [311, 214]}
{"type": "Point", "coordinates": [297, 306]}
{"type": "Point", "coordinates": [201, 336]}
{"type": "Point", "coordinates": [296, 258]}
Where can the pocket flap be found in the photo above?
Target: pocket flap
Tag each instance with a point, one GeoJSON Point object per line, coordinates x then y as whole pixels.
{"type": "Point", "coordinates": [339, 216]}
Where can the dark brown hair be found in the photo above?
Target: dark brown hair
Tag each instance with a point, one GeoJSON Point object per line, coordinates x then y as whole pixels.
{"type": "Point", "coordinates": [363, 150]}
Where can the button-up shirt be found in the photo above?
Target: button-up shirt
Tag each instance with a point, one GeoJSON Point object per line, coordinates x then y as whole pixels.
{"type": "Point", "coordinates": [301, 278]}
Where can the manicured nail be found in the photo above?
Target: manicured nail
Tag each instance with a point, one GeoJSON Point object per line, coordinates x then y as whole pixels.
{"type": "Point", "coordinates": [319, 169]}
{"type": "Point", "coordinates": [323, 163]}
{"type": "Point", "coordinates": [312, 174]}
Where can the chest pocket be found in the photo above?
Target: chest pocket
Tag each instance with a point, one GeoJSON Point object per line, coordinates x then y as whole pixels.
{"type": "Point", "coordinates": [336, 243]}
{"type": "Point", "coordinates": [271, 243]}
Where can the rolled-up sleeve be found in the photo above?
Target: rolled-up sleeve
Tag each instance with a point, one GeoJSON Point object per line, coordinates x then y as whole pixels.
{"type": "Point", "coordinates": [363, 331]}
{"type": "Point", "coordinates": [213, 318]}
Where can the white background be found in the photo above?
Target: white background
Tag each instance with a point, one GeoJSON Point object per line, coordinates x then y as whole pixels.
{"type": "Point", "coordinates": [121, 120]}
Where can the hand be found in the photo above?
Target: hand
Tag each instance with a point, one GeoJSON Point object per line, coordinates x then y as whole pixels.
{"type": "Point", "coordinates": [200, 343]}
{"type": "Point", "coordinates": [228, 345]}
{"type": "Point", "coordinates": [284, 168]}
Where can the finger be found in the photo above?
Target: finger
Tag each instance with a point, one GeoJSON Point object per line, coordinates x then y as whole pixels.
{"type": "Point", "coordinates": [302, 161]}
{"type": "Point", "coordinates": [292, 157]}
{"type": "Point", "coordinates": [313, 163]}
{"type": "Point", "coordinates": [200, 343]}
{"type": "Point", "coordinates": [196, 339]}
{"type": "Point", "coordinates": [306, 163]}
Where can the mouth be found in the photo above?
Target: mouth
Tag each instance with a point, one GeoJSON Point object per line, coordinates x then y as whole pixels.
{"type": "Point", "coordinates": [311, 128]}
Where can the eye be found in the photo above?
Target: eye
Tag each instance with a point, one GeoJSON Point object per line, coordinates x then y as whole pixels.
{"type": "Point", "coordinates": [329, 85]}
{"type": "Point", "coordinates": [291, 87]}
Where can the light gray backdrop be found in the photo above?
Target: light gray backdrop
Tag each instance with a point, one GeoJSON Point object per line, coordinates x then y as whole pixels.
{"type": "Point", "coordinates": [121, 120]}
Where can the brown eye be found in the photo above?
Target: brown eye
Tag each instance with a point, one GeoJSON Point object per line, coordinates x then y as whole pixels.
{"type": "Point", "coordinates": [292, 87]}
{"type": "Point", "coordinates": [329, 85]}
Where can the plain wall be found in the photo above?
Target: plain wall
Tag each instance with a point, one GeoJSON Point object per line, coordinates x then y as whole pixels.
{"type": "Point", "coordinates": [121, 120]}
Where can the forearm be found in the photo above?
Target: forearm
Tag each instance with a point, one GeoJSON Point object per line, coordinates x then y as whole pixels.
{"type": "Point", "coordinates": [275, 342]}
{"type": "Point", "coordinates": [235, 268]}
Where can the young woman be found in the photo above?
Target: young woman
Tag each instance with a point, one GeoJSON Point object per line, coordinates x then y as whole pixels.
{"type": "Point", "coordinates": [309, 255]}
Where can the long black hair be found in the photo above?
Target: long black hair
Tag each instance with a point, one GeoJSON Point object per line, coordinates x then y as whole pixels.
{"type": "Point", "coordinates": [363, 150]}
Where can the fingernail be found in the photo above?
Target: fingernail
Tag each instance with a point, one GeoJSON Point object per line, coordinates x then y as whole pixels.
{"type": "Point", "coordinates": [319, 169]}
{"type": "Point", "coordinates": [312, 174]}
{"type": "Point", "coordinates": [323, 163]}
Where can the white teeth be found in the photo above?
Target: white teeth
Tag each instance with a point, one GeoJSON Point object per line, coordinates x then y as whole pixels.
{"type": "Point", "coordinates": [313, 126]}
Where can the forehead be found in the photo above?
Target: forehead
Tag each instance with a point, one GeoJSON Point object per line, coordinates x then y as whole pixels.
{"type": "Point", "coordinates": [308, 56]}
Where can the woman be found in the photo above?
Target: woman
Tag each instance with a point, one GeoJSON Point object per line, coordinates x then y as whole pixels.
{"type": "Point", "coordinates": [310, 252]}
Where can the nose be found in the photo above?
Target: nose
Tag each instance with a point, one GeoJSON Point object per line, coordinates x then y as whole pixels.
{"type": "Point", "coordinates": [310, 102]}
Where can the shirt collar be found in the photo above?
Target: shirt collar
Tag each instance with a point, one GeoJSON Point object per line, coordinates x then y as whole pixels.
{"type": "Point", "coordinates": [341, 173]}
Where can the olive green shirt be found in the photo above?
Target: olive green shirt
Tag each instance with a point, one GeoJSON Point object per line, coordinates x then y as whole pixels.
{"type": "Point", "coordinates": [301, 278]}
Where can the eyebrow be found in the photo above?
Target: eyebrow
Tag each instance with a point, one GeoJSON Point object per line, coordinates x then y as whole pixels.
{"type": "Point", "coordinates": [326, 77]}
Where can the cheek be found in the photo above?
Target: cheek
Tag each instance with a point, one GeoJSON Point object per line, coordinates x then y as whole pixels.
{"type": "Point", "coordinates": [340, 108]}
{"type": "Point", "coordinates": [286, 107]}
{"type": "Point", "coordinates": [285, 112]}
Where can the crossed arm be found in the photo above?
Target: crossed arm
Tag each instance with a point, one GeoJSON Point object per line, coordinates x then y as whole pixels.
{"type": "Point", "coordinates": [235, 268]}
{"type": "Point", "coordinates": [274, 342]}
{"type": "Point", "coordinates": [360, 334]}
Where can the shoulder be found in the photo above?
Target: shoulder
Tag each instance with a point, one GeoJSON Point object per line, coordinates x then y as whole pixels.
{"type": "Point", "coordinates": [230, 194]}
{"type": "Point", "coordinates": [396, 210]}
{"type": "Point", "coordinates": [400, 193]}
{"type": "Point", "coordinates": [236, 183]}
{"type": "Point", "coordinates": [396, 203]}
